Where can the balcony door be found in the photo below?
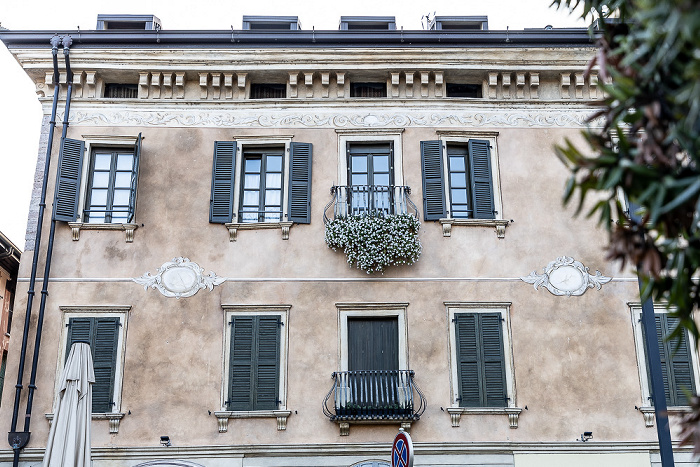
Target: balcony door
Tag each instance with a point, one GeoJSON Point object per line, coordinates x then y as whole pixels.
{"type": "Point", "coordinates": [373, 343]}
{"type": "Point", "coordinates": [371, 177]}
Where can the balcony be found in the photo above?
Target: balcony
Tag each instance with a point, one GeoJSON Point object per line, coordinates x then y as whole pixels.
{"type": "Point", "coordinates": [374, 396]}
{"type": "Point", "coordinates": [359, 200]}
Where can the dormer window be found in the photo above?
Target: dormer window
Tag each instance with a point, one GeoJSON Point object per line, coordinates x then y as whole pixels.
{"type": "Point", "coordinates": [368, 89]}
{"type": "Point", "coordinates": [460, 23]}
{"type": "Point", "coordinates": [128, 22]}
{"type": "Point", "coordinates": [268, 90]}
{"type": "Point", "coordinates": [367, 22]}
{"type": "Point", "coordinates": [271, 22]}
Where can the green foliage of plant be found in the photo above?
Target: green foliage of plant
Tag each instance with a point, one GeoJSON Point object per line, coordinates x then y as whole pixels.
{"type": "Point", "coordinates": [375, 241]}
{"type": "Point", "coordinates": [649, 143]}
{"type": "Point", "coordinates": [648, 147]}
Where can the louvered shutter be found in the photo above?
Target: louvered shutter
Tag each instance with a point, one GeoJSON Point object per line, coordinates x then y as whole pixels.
{"type": "Point", "coordinates": [481, 179]}
{"type": "Point", "coordinates": [70, 168]}
{"type": "Point", "coordinates": [267, 369]}
{"type": "Point", "coordinates": [468, 362]}
{"type": "Point", "coordinates": [134, 180]}
{"type": "Point", "coordinates": [494, 374]}
{"type": "Point", "coordinates": [433, 180]}
{"type": "Point", "coordinates": [676, 361]}
{"type": "Point", "coordinates": [223, 176]}
{"type": "Point", "coordinates": [300, 183]}
{"type": "Point", "coordinates": [102, 334]}
{"type": "Point", "coordinates": [241, 363]}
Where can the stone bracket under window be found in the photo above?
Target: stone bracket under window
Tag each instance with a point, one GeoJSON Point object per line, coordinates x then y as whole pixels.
{"type": "Point", "coordinates": [512, 412]}
{"type": "Point", "coordinates": [234, 227]}
{"type": "Point", "coordinates": [650, 413]}
{"type": "Point", "coordinates": [499, 224]}
{"type": "Point", "coordinates": [345, 425]}
{"type": "Point", "coordinates": [281, 416]}
{"type": "Point", "coordinates": [114, 419]}
{"type": "Point", "coordinates": [76, 227]}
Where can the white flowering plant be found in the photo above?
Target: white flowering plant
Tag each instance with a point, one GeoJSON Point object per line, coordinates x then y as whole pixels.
{"type": "Point", "coordinates": [377, 240]}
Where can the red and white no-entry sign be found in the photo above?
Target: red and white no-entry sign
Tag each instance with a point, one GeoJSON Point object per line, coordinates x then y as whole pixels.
{"type": "Point", "coordinates": [402, 450]}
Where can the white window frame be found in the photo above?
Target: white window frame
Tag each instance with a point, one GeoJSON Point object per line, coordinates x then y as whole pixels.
{"type": "Point", "coordinates": [512, 410]}
{"type": "Point", "coordinates": [231, 311]}
{"type": "Point", "coordinates": [257, 141]}
{"type": "Point", "coordinates": [99, 311]}
{"type": "Point", "coordinates": [463, 137]}
{"type": "Point", "coordinates": [346, 137]}
{"type": "Point", "coordinates": [372, 310]}
{"type": "Point", "coordinates": [645, 405]}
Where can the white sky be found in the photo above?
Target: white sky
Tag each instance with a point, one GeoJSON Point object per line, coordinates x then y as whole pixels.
{"type": "Point", "coordinates": [20, 111]}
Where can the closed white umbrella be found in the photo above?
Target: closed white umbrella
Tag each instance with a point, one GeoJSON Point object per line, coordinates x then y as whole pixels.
{"type": "Point", "coordinates": [69, 438]}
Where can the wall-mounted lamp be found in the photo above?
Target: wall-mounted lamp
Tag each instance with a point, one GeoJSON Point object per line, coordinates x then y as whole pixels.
{"type": "Point", "coordinates": [165, 441]}
{"type": "Point", "coordinates": [586, 436]}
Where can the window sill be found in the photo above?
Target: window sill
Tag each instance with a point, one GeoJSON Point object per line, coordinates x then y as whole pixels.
{"type": "Point", "coordinates": [114, 419]}
{"type": "Point", "coordinates": [234, 227]}
{"type": "Point", "coordinates": [76, 227]}
{"type": "Point", "coordinates": [650, 414]}
{"type": "Point", "coordinates": [281, 416]}
{"type": "Point", "coordinates": [512, 412]}
{"type": "Point", "coordinates": [499, 224]}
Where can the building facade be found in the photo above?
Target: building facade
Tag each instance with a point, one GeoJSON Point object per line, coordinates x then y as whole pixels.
{"type": "Point", "coordinates": [9, 265]}
{"type": "Point", "coordinates": [194, 192]}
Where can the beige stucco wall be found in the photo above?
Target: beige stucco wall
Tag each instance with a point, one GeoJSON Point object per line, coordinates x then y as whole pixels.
{"type": "Point", "coordinates": [574, 358]}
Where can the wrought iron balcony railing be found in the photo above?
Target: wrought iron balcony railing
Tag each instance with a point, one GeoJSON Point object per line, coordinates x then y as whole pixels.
{"type": "Point", "coordinates": [374, 395]}
{"type": "Point", "coordinates": [358, 200]}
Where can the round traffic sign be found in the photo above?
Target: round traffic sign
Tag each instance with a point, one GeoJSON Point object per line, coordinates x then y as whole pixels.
{"type": "Point", "coordinates": [402, 450]}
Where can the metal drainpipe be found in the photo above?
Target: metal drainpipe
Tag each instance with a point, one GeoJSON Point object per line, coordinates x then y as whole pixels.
{"type": "Point", "coordinates": [67, 42]}
{"type": "Point", "coordinates": [16, 439]}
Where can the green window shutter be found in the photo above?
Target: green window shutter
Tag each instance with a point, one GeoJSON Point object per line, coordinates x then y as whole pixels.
{"type": "Point", "coordinates": [70, 169]}
{"type": "Point", "coordinates": [103, 335]}
{"type": "Point", "coordinates": [221, 201]}
{"type": "Point", "coordinates": [494, 372]}
{"type": "Point", "coordinates": [676, 361]}
{"type": "Point", "coordinates": [134, 180]}
{"type": "Point", "coordinates": [301, 156]}
{"type": "Point", "coordinates": [267, 371]}
{"type": "Point", "coordinates": [480, 360]}
{"type": "Point", "coordinates": [254, 363]}
{"type": "Point", "coordinates": [481, 179]}
{"type": "Point", "coordinates": [433, 180]}
{"type": "Point", "coordinates": [468, 361]}
{"type": "Point", "coordinates": [241, 361]}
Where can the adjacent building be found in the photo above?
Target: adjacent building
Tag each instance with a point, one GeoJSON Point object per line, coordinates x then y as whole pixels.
{"type": "Point", "coordinates": [202, 178]}
{"type": "Point", "coordinates": [9, 265]}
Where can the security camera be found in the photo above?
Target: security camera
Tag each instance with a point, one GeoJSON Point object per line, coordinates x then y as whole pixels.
{"type": "Point", "coordinates": [165, 441]}
{"type": "Point", "coordinates": [586, 436]}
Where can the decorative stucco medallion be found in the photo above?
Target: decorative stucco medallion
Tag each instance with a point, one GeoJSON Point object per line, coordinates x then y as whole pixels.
{"type": "Point", "coordinates": [566, 276]}
{"type": "Point", "coordinates": [179, 278]}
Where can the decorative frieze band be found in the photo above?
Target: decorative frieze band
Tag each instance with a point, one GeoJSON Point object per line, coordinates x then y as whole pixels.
{"type": "Point", "coordinates": [360, 117]}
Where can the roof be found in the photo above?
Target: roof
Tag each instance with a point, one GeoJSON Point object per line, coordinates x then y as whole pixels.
{"type": "Point", "coordinates": [564, 37]}
{"type": "Point", "coordinates": [9, 255]}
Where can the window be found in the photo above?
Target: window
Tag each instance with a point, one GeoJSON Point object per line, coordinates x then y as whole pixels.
{"type": "Point", "coordinates": [460, 180]}
{"type": "Point", "coordinates": [261, 187]}
{"type": "Point", "coordinates": [274, 186]}
{"type": "Point", "coordinates": [121, 91]}
{"type": "Point", "coordinates": [101, 189]}
{"type": "Point", "coordinates": [463, 90]}
{"type": "Point", "coordinates": [104, 328]}
{"type": "Point", "coordinates": [482, 376]}
{"type": "Point", "coordinates": [255, 363]}
{"type": "Point", "coordinates": [268, 90]}
{"type": "Point", "coordinates": [679, 363]}
{"type": "Point", "coordinates": [368, 89]}
{"type": "Point", "coordinates": [371, 176]}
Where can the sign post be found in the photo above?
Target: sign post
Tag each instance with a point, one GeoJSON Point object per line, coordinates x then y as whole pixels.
{"type": "Point", "coordinates": [402, 450]}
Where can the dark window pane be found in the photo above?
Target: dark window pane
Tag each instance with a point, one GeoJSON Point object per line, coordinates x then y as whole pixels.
{"type": "Point", "coordinates": [268, 91]}
{"type": "Point", "coordinates": [367, 89]}
{"type": "Point", "coordinates": [463, 90]}
{"type": "Point", "coordinates": [121, 91]}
